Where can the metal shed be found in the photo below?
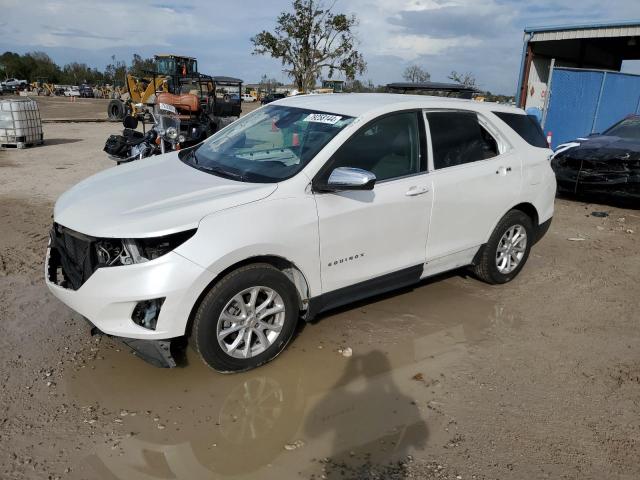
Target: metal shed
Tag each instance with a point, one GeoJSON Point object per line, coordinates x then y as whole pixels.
{"type": "Point", "coordinates": [586, 54]}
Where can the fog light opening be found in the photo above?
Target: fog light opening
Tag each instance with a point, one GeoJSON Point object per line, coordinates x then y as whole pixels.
{"type": "Point", "coordinates": [146, 313]}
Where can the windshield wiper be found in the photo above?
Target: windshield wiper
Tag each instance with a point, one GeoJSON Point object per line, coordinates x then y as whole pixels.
{"type": "Point", "coordinates": [221, 172]}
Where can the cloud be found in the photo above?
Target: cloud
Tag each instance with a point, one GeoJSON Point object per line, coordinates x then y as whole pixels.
{"type": "Point", "coordinates": [455, 21]}
{"type": "Point", "coordinates": [411, 46]}
{"type": "Point", "coordinates": [76, 33]}
{"type": "Point", "coordinates": [174, 8]}
{"type": "Point", "coordinates": [480, 36]}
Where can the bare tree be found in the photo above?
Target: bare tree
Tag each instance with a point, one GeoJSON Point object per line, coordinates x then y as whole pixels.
{"type": "Point", "coordinates": [467, 79]}
{"type": "Point", "coordinates": [310, 39]}
{"type": "Point", "coordinates": [268, 84]}
{"type": "Point", "coordinates": [415, 73]}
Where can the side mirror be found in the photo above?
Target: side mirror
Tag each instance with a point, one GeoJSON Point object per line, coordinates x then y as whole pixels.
{"type": "Point", "coordinates": [130, 122]}
{"type": "Point", "coordinates": [348, 178]}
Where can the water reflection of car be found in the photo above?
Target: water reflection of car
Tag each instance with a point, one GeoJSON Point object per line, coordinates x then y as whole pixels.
{"type": "Point", "coordinates": [606, 164]}
{"type": "Point", "coordinates": [272, 97]}
{"type": "Point", "coordinates": [263, 410]}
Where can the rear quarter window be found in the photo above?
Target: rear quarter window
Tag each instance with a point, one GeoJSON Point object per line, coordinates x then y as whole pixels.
{"type": "Point", "coordinates": [526, 126]}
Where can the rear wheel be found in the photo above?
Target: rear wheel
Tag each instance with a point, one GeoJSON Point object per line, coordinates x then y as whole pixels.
{"type": "Point", "coordinates": [507, 250]}
{"type": "Point", "coordinates": [246, 319]}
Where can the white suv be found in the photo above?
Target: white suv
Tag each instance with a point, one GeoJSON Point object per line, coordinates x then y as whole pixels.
{"type": "Point", "coordinates": [301, 206]}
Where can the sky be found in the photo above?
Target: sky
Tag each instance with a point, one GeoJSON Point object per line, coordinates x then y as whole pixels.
{"type": "Point", "coordinates": [479, 36]}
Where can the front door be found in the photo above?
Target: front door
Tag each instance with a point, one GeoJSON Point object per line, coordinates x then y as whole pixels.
{"type": "Point", "coordinates": [368, 234]}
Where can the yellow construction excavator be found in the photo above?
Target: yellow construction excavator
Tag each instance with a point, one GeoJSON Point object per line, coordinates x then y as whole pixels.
{"type": "Point", "coordinates": [142, 90]}
{"type": "Point", "coordinates": [203, 103]}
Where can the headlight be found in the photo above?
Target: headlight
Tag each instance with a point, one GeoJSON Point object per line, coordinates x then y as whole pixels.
{"type": "Point", "coordinates": [171, 133]}
{"type": "Point", "coordinates": [113, 252]}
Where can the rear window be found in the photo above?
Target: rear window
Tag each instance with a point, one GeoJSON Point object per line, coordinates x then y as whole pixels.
{"type": "Point", "coordinates": [526, 126]}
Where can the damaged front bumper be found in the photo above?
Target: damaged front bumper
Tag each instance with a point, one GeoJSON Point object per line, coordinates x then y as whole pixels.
{"type": "Point", "coordinates": [155, 352]}
{"type": "Point", "coordinates": [612, 175]}
{"type": "Point", "coordinates": [146, 305]}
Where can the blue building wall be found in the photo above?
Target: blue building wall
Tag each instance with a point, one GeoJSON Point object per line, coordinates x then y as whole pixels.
{"type": "Point", "coordinates": [587, 101]}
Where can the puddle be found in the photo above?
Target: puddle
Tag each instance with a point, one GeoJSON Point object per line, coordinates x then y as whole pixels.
{"type": "Point", "coordinates": [372, 406]}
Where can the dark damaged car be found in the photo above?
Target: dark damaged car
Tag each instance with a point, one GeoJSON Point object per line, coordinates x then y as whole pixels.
{"type": "Point", "coordinates": [604, 165]}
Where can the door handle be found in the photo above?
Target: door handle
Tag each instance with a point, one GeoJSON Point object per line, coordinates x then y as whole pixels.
{"type": "Point", "coordinates": [413, 191]}
{"type": "Point", "coordinates": [503, 170]}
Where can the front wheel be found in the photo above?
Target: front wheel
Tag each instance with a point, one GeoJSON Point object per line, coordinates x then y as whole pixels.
{"type": "Point", "coordinates": [246, 319]}
{"type": "Point", "coordinates": [507, 250]}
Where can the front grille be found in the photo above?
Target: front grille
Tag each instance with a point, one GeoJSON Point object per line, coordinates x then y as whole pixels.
{"type": "Point", "coordinates": [72, 258]}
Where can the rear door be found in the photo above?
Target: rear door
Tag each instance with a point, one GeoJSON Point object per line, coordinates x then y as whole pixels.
{"type": "Point", "coordinates": [476, 177]}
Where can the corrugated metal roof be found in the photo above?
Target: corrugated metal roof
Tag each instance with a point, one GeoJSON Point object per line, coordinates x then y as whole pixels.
{"type": "Point", "coordinates": [596, 30]}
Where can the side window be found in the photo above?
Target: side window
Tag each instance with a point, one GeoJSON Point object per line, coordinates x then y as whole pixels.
{"type": "Point", "coordinates": [526, 126]}
{"type": "Point", "coordinates": [458, 138]}
{"type": "Point", "coordinates": [389, 147]}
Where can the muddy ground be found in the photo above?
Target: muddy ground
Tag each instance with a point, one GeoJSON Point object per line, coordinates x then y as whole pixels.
{"type": "Point", "coordinates": [452, 379]}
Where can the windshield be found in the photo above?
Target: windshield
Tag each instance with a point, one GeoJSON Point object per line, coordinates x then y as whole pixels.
{"type": "Point", "coordinates": [167, 118]}
{"type": "Point", "coordinates": [628, 128]}
{"type": "Point", "coordinates": [268, 145]}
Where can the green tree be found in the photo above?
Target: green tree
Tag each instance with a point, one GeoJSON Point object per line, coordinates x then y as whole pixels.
{"type": "Point", "coordinates": [42, 67]}
{"type": "Point", "coordinates": [75, 73]}
{"type": "Point", "coordinates": [140, 67]}
{"type": "Point", "coordinates": [115, 73]}
{"type": "Point", "coordinates": [310, 39]}
{"type": "Point", "coordinates": [14, 66]}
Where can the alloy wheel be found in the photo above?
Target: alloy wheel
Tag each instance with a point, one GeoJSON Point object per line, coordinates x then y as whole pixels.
{"type": "Point", "coordinates": [250, 322]}
{"type": "Point", "coordinates": [511, 249]}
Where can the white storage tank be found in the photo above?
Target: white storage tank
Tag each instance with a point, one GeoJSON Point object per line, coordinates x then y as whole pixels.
{"type": "Point", "coordinates": [20, 124]}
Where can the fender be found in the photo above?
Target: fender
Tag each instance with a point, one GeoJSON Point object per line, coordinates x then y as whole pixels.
{"type": "Point", "coordinates": [232, 236]}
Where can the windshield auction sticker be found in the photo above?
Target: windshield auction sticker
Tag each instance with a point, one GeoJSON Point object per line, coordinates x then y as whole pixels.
{"type": "Point", "coordinates": [323, 118]}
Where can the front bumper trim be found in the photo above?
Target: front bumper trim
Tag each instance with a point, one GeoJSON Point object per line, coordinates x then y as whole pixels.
{"type": "Point", "coordinates": [155, 352]}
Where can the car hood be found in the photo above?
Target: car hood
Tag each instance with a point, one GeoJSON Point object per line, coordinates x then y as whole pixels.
{"type": "Point", "coordinates": [150, 197]}
{"type": "Point", "coordinates": [601, 147]}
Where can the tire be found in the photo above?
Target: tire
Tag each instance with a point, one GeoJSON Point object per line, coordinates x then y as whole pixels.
{"type": "Point", "coordinates": [116, 110]}
{"type": "Point", "coordinates": [494, 270]}
{"type": "Point", "coordinates": [222, 299]}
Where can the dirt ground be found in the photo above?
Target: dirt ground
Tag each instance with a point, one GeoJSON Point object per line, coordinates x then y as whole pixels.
{"type": "Point", "coordinates": [452, 379]}
{"type": "Point", "coordinates": [63, 108]}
